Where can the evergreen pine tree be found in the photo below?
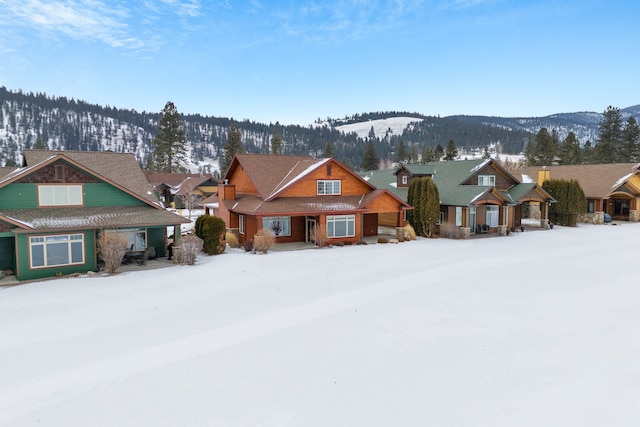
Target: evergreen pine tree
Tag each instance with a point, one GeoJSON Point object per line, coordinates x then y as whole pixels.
{"type": "Point", "coordinates": [401, 152]}
{"type": "Point", "coordinates": [587, 153]}
{"type": "Point", "coordinates": [370, 161]}
{"type": "Point", "coordinates": [39, 145]}
{"type": "Point", "coordinates": [451, 152]}
{"type": "Point", "coordinates": [328, 150]}
{"type": "Point", "coordinates": [438, 152]}
{"type": "Point", "coordinates": [276, 143]}
{"type": "Point", "coordinates": [413, 153]}
{"type": "Point", "coordinates": [170, 145]}
{"type": "Point", "coordinates": [570, 151]}
{"type": "Point", "coordinates": [231, 148]}
{"type": "Point", "coordinates": [546, 148]}
{"type": "Point", "coordinates": [424, 197]}
{"type": "Point", "coordinates": [427, 155]}
{"type": "Point", "coordinates": [485, 153]}
{"type": "Point", "coordinates": [630, 141]}
{"type": "Point", "coordinates": [607, 149]}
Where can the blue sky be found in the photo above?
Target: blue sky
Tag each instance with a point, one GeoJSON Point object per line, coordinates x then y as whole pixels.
{"type": "Point", "coordinates": [296, 61]}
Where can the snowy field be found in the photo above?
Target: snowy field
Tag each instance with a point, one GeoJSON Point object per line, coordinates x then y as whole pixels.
{"type": "Point", "coordinates": [539, 328]}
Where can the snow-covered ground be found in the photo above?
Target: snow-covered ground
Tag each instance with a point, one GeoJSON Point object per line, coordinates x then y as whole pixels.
{"type": "Point", "coordinates": [538, 328]}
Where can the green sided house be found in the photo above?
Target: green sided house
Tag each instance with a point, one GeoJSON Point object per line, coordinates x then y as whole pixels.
{"type": "Point", "coordinates": [53, 208]}
{"type": "Point", "coordinates": [479, 196]}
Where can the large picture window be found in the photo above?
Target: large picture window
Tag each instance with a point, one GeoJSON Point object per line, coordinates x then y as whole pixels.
{"type": "Point", "coordinates": [53, 251]}
{"type": "Point", "coordinates": [341, 226]}
{"type": "Point", "coordinates": [137, 237]}
{"type": "Point", "coordinates": [459, 216]}
{"type": "Point", "coordinates": [329, 187]}
{"type": "Point", "coordinates": [60, 195]}
{"type": "Point", "coordinates": [280, 225]}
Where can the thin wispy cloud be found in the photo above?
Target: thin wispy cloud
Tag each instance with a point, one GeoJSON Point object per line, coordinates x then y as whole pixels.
{"type": "Point", "coordinates": [115, 24]}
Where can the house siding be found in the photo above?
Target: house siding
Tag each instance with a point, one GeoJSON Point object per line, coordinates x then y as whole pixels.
{"type": "Point", "coordinates": [103, 194]}
{"type": "Point", "coordinates": [24, 272]}
{"type": "Point", "coordinates": [308, 187]}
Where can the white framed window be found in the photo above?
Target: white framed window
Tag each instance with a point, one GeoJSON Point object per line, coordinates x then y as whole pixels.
{"type": "Point", "coordinates": [56, 250]}
{"type": "Point", "coordinates": [493, 212]}
{"type": "Point", "coordinates": [487, 180]}
{"type": "Point", "coordinates": [341, 226]}
{"type": "Point", "coordinates": [241, 224]}
{"type": "Point", "coordinates": [405, 179]}
{"type": "Point", "coordinates": [60, 195]}
{"type": "Point", "coordinates": [137, 237]}
{"type": "Point", "coordinates": [280, 225]}
{"type": "Point", "coordinates": [459, 216]}
{"type": "Point", "coordinates": [329, 187]}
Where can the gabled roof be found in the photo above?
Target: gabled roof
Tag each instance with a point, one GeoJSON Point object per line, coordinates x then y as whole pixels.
{"type": "Point", "coordinates": [597, 181]}
{"type": "Point", "coordinates": [449, 178]}
{"type": "Point", "coordinates": [272, 173]}
{"type": "Point", "coordinates": [118, 169]}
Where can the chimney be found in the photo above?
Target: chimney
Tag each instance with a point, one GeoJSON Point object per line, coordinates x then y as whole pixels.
{"type": "Point", "coordinates": [227, 191]}
{"type": "Point", "coordinates": [543, 175]}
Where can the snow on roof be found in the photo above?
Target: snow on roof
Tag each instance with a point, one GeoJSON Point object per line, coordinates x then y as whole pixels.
{"type": "Point", "coordinates": [623, 179]}
{"type": "Point", "coordinates": [526, 179]}
{"type": "Point", "coordinates": [480, 166]}
{"type": "Point", "coordinates": [302, 174]}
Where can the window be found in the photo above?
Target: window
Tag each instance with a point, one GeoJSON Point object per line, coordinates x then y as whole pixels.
{"type": "Point", "coordinates": [493, 213]}
{"type": "Point", "coordinates": [341, 226]}
{"type": "Point", "coordinates": [60, 195]}
{"type": "Point", "coordinates": [591, 206]}
{"type": "Point", "coordinates": [459, 216]}
{"type": "Point", "coordinates": [441, 218]}
{"type": "Point", "coordinates": [241, 224]}
{"type": "Point", "coordinates": [280, 225]}
{"type": "Point", "coordinates": [405, 179]}
{"type": "Point", "coordinates": [329, 187]}
{"type": "Point", "coordinates": [52, 251]}
{"type": "Point", "coordinates": [487, 180]}
{"type": "Point", "coordinates": [137, 237]}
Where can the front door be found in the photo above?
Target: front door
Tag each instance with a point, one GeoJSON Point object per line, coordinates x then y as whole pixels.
{"type": "Point", "coordinates": [310, 229]}
{"type": "Point", "coordinates": [472, 219]}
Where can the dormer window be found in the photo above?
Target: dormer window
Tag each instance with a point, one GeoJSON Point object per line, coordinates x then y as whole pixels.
{"type": "Point", "coordinates": [328, 187]}
{"type": "Point", "coordinates": [405, 179]}
{"type": "Point", "coordinates": [487, 180]}
{"type": "Point", "coordinates": [60, 195]}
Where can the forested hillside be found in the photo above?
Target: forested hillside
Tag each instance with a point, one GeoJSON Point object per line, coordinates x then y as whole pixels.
{"type": "Point", "coordinates": [29, 120]}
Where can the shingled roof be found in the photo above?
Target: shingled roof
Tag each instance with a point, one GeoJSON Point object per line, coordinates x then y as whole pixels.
{"type": "Point", "coordinates": [119, 169]}
{"type": "Point", "coordinates": [272, 174]}
{"type": "Point", "coordinates": [597, 181]}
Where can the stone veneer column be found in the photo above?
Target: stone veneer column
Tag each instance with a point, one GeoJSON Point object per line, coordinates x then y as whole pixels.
{"type": "Point", "coordinates": [544, 224]}
{"type": "Point", "coordinates": [466, 232]}
{"type": "Point", "coordinates": [502, 230]}
{"type": "Point", "coordinates": [633, 216]}
{"type": "Point", "coordinates": [599, 217]}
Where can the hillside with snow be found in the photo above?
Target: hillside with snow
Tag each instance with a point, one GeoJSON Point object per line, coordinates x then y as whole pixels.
{"type": "Point", "coordinates": [382, 128]}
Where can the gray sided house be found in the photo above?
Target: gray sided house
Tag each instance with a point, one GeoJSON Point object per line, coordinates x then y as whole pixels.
{"type": "Point", "coordinates": [53, 208]}
{"type": "Point", "coordinates": [479, 196]}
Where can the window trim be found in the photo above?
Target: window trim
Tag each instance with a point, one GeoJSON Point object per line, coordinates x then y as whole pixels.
{"type": "Point", "coordinates": [241, 224]}
{"type": "Point", "coordinates": [322, 185]}
{"type": "Point", "coordinates": [350, 225]}
{"type": "Point", "coordinates": [286, 220]}
{"type": "Point", "coordinates": [32, 243]}
{"type": "Point", "coordinates": [63, 203]}
{"type": "Point", "coordinates": [483, 177]}
{"type": "Point", "coordinates": [130, 235]}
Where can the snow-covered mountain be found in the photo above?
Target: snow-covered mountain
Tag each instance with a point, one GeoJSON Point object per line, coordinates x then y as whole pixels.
{"type": "Point", "coordinates": [30, 120]}
{"type": "Point", "coordinates": [583, 124]}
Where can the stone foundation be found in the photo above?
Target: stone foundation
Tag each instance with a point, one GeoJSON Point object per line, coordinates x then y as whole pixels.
{"type": "Point", "coordinates": [544, 224]}
{"type": "Point", "coordinates": [465, 232]}
{"type": "Point", "coordinates": [598, 218]}
{"type": "Point", "coordinates": [633, 216]}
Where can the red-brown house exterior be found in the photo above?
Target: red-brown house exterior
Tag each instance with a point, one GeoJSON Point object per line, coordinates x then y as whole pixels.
{"type": "Point", "coordinates": [292, 195]}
